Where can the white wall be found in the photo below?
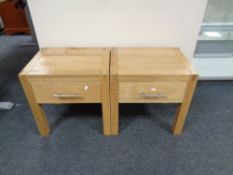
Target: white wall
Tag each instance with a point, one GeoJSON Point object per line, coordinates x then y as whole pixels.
{"type": "Point", "coordinates": [214, 69]}
{"type": "Point", "coordinates": [81, 23]}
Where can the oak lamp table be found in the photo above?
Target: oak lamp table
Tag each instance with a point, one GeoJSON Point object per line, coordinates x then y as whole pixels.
{"type": "Point", "coordinates": [66, 75]}
{"type": "Point", "coordinates": [151, 75]}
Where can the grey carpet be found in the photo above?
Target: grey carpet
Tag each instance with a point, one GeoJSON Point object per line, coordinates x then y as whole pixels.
{"type": "Point", "coordinates": [144, 146]}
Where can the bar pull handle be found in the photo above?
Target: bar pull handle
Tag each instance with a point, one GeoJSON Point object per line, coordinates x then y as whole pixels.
{"type": "Point", "coordinates": [157, 95]}
{"type": "Point", "coordinates": [60, 95]}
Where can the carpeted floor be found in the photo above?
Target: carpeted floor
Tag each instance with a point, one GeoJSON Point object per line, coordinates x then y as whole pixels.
{"type": "Point", "coordinates": [145, 145]}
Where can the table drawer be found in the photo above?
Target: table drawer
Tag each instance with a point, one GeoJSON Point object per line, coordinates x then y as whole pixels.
{"type": "Point", "coordinates": [152, 92]}
{"type": "Point", "coordinates": [63, 90]}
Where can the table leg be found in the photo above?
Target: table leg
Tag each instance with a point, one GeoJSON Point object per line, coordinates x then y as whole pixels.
{"type": "Point", "coordinates": [37, 110]}
{"type": "Point", "coordinates": [106, 106]}
{"type": "Point", "coordinates": [114, 93]}
{"type": "Point", "coordinates": [183, 108]}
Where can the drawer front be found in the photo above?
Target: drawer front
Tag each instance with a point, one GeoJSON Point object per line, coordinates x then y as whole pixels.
{"type": "Point", "coordinates": [152, 92]}
{"type": "Point", "coordinates": [62, 90]}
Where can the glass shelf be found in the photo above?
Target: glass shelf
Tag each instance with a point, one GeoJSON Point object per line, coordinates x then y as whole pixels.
{"type": "Point", "coordinates": [216, 34]}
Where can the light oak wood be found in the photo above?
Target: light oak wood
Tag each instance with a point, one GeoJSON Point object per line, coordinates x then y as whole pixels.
{"type": "Point", "coordinates": [183, 108]}
{"type": "Point", "coordinates": [37, 110]}
{"type": "Point", "coordinates": [46, 90]}
{"type": "Point", "coordinates": [106, 106]}
{"type": "Point", "coordinates": [154, 62]}
{"type": "Point", "coordinates": [106, 95]}
{"type": "Point", "coordinates": [68, 62]}
{"type": "Point", "coordinates": [150, 75]}
{"type": "Point", "coordinates": [67, 75]}
{"type": "Point", "coordinates": [114, 92]}
{"type": "Point", "coordinates": [152, 92]}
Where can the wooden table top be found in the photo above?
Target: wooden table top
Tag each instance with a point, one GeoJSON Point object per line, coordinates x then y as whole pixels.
{"type": "Point", "coordinates": [149, 61]}
{"type": "Point", "coordinates": [69, 61]}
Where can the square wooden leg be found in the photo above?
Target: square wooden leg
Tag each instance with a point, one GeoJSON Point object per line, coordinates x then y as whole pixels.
{"type": "Point", "coordinates": [106, 106]}
{"type": "Point", "coordinates": [37, 110]}
{"type": "Point", "coordinates": [114, 93]}
{"type": "Point", "coordinates": [183, 108]}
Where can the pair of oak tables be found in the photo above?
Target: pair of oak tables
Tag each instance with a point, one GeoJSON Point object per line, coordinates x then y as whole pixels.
{"type": "Point", "coordinates": [109, 77]}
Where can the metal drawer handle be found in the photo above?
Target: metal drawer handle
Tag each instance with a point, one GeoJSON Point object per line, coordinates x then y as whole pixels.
{"type": "Point", "coordinates": [152, 95]}
{"type": "Point", "coordinates": [60, 95]}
